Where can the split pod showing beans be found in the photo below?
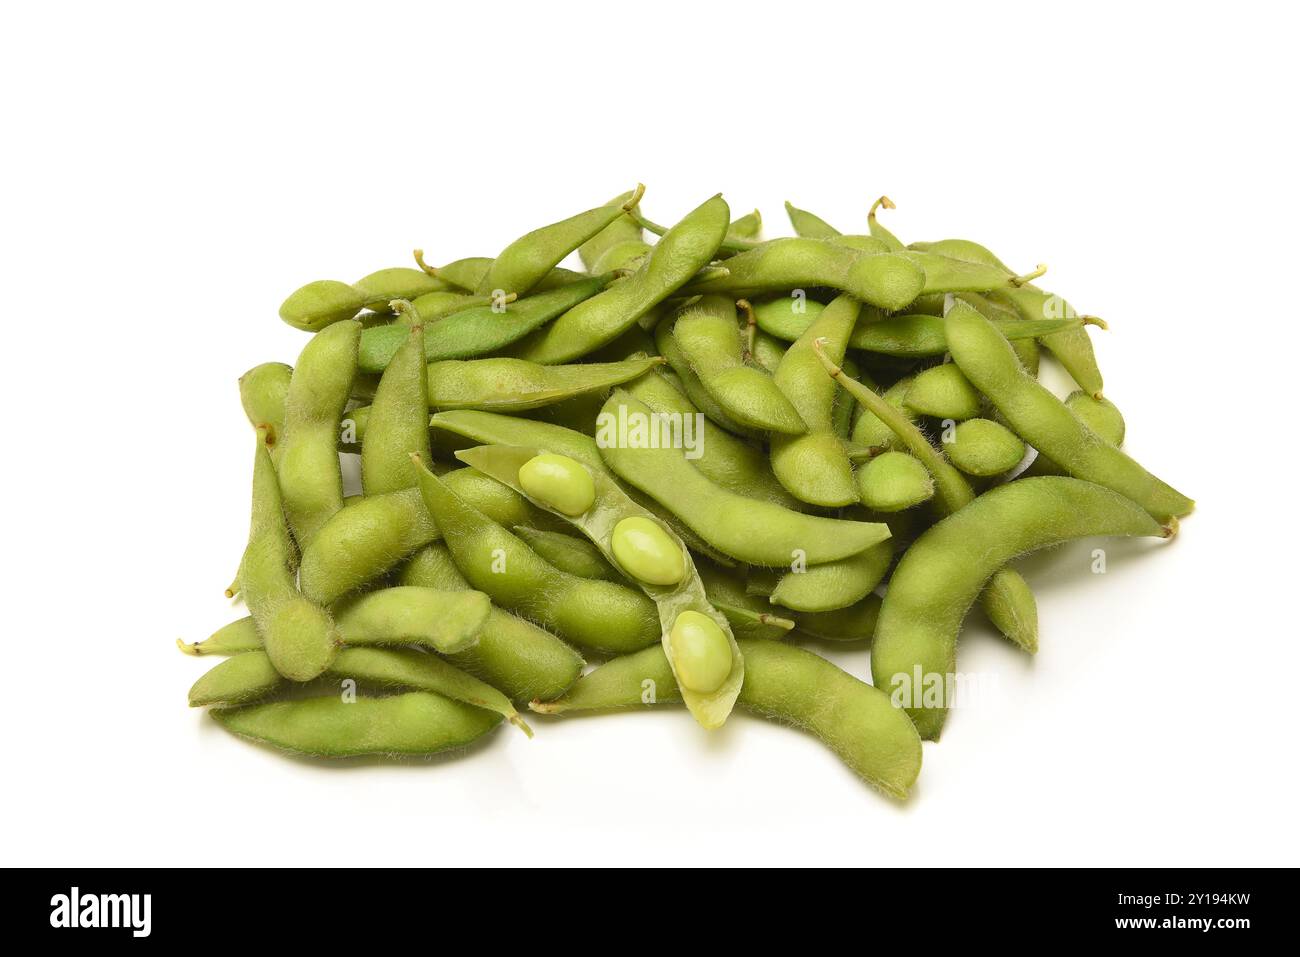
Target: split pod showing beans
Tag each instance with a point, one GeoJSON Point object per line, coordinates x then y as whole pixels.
{"type": "Point", "coordinates": [684, 456]}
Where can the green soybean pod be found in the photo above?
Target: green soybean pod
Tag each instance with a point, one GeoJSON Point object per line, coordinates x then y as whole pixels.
{"type": "Point", "coordinates": [685, 249]}
{"type": "Point", "coordinates": [723, 457]}
{"type": "Point", "coordinates": [809, 225]}
{"type": "Point", "coordinates": [1003, 316]}
{"type": "Point", "coordinates": [398, 423]}
{"type": "Point", "coordinates": [241, 678]}
{"type": "Point", "coordinates": [887, 280]}
{"type": "Point", "coordinates": [786, 685]}
{"type": "Point", "coordinates": [308, 466]}
{"type": "Point", "coordinates": [618, 243]}
{"type": "Point", "coordinates": [468, 273]}
{"type": "Point", "coordinates": [526, 261]}
{"type": "Point", "coordinates": [786, 317]}
{"type": "Point", "coordinates": [568, 553]}
{"type": "Point", "coordinates": [944, 392]}
{"type": "Point", "coordinates": [697, 638]}
{"type": "Point", "coordinates": [1071, 347]}
{"type": "Point", "coordinates": [263, 391]}
{"type": "Point", "coordinates": [983, 447]}
{"type": "Point", "coordinates": [921, 336]}
{"type": "Point", "coordinates": [299, 635]}
{"type": "Point", "coordinates": [479, 330]}
{"type": "Point", "coordinates": [511, 653]}
{"type": "Point", "coordinates": [415, 723]}
{"type": "Point", "coordinates": [599, 615]}
{"type": "Point", "coordinates": [446, 621]}
{"type": "Point", "coordinates": [1100, 415]}
{"type": "Point", "coordinates": [1044, 421]}
{"type": "Point", "coordinates": [398, 282]}
{"type": "Point", "coordinates": [834, 585]}
{"type": "Point", "coordinates": [632, 443]}
{"type": "Point", "coordinates": [700, 397]}
{"type": "Point", "coordinates": [709, 338]}
{"type": "Point", "coordinates": [815, 467]}
{"type": "Point", "coordinates": [944, 274]}
{"type": "Point", "coordinates": [366, 540]}
{"type": "Point", "coordinates": [1007, 600]}
{"type": "Point", "coordinates": [512, 385]}
{"type": "Point", "coordinates": [322, 303]}
{"type": "Point", "coordinates": [894, 481]}
{"type": "Point", "coordinates": [941, 574]}
{"type": "Point", "coordinates": [231, 639]}
{"type": "Point", "coordinates": [749, 226]}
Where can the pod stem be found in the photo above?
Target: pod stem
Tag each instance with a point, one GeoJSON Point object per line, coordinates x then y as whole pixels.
{"type": "Point", "coordinates": [751, 325]}
{"type": "Point", "coordinates": [883, 203]}
{"type": "Point", "coordinates": [419, 261]}
{"type": "Point", "coordinates": [1097, 321]}
{"type": "Point", "coordinates": [547, 707]}
{"type": "Point", "coordinates": [189, 648]}
{"type": "Point", "coordinates": [635, 199]}
{"type": "Point", "coordinates": [520, 723]}
{"type": "Point", "coordinates": [1039, 270]}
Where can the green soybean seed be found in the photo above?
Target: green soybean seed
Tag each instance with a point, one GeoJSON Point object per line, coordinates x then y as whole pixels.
{"type": "Point", "coordinates": [645, 551]}
{"type": "Point", "coordinates": [700, 654]}
{"type": "Point", "coordinates": [984, 447]}
{"type": "Point", "coordinates": [893, 481]}
{"type": "Point", "coordinates": [944, 393]}
{"type": "Point", "coordinates": [418, 723]}
{"type": "Point", "coordinates": [558, 482]}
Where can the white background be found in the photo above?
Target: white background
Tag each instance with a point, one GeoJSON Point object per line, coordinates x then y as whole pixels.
{"type": "Point", "coordinates": [170, 173]}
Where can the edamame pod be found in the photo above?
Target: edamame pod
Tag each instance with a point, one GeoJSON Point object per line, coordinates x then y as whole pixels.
{"type": "Point", "coordinates": [398, 282]}
{"type": "Point", "coordinates": [786, 685]}
{"type": "Point", "coordinates": [697, 638]}
{"type": "Point", "coordinates": [917, 336]}
{"type": "Point", "coordinates": [943, 392]}
{"type": "Point", "coordinates": [686, 248]}
{"type": "Point", "coordinates": [446, 621]}
{"type": "Point", "coordinates": [709, 338]}
{"type": "Point", "coordinates": [569, 553]}
{"type": "Point", "coordinates": [894, 481]}
{"type": "Point", "coordinates": [815, 467]}
{"type": "Point", "coordinates": [308, 465]}
{"type": "Point", "coordinates": [809, 225]}
{"type": "Point", "coordinates": [756, 532]}
{"type": "Point", "coordinates": [1044, 421]}
{"type": "Point", "coordinates": [1100, 415]}
{"type": "Point", "coordinates": [617, 244]}
{"type": "Point", "coordinates": [299, 635]}
{"type": "Point", "coordinates": [513, 654]}
{"type": "Point", "coordinates": [600, 615]}
{"type": "Point", "coordinates": [398, 422]}
{"type": "Point", "coordinates": [415, 723]}
{"type": "Point", "coordinates": [476, 331]}
{"type": "Point", "coordinates": [526, 261]}
{"type": "Point", "coordinates": [511, 385]}
{"type": "Point", "coordinates": [263, 392]}
{"type": "Point", "coordinates": [834, 585]}
{"type": "Point", "coordinates": [887, 280]}
{"type": "Point", "coordinates": [983, 447]}
{"type": "Point", "coordinates": [941, 574]}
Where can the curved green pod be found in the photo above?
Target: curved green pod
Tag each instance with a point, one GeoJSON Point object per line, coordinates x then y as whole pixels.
{"type": "Point", "coordinates": [756, 532]}
{"type": "Point", "coordinates": [446, 621]}
{"type": "Point", "coordinates": [684, 250]}
{"type": "Point", "coordinates": [942, 573]}
{"type": "Point", "coordinates": [417, 723]}
{"type": "Point", "coordinates": [919, 336]}
{"type": "Point", "coordinates": [1045, 422]}
{"type": "Point", "coordinates": [809, 225]}
{"type": "Point", "coordinates": [398, 421]}
{"type": "Point", "coordinates": [479, 330]}
{"type": "Point", "coordinates": [944, 392]}
{"type": "Point", "coordinates": [983, 447]}
{"type": "Point", "coordinates": [599, 615]}
{"type": "Point", "coordinates": [700, 397]}
{"type": "Point", "coordinates": [815, 467]}
{"type": "Point", "coordinates": [784, 684]}
{"type": "Point", "coordinates": [530, 258]}
{"type": "Point", "coordinates": [834, 585]}
{"type": "Point", "coordinates": [568, 553]}
{"type": "Point", "coordinates": [887, 280]}
{"type": "Point", "coordinates": [398, 282]}
{"type": "Point", "coordinates": [512, 385]}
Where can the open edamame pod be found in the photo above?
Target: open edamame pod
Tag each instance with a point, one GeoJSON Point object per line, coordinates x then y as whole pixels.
{"type": "Point", "coordinates": [686, 248]}
{"type": "Point", "coordinates": [759, 533]}
{"type": "Point", "coordinates": [783, 684]}
{"type": "Point", "coordinates": [603, 616]}
{"type": "Point", "coordinates": [512, 385]}
{"type": "Point", "coordinates": [415, 723]}
{"type": "Point", "coordinates": [709, 338]}
{"type": "Point", "coordinates": [815, 467]}
{"type": "Point", "coordinates": [299, 635]}
{"type": "Point", "coordinates": [1045, 422]}
{"type": "Point", "coordinates": [479, 330]}
{"type": "Point", "coordinates": [569, 553]}
{"type": "Point", "coordinates": [526, 261]}
{"type": "Point", "coordinates": [696, 637]}
{"type": "Point", "coordinates": [942, 573]}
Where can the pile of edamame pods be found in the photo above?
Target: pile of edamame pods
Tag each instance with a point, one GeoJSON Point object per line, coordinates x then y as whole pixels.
{"type": "Point", "coordinates": [675, 465]}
